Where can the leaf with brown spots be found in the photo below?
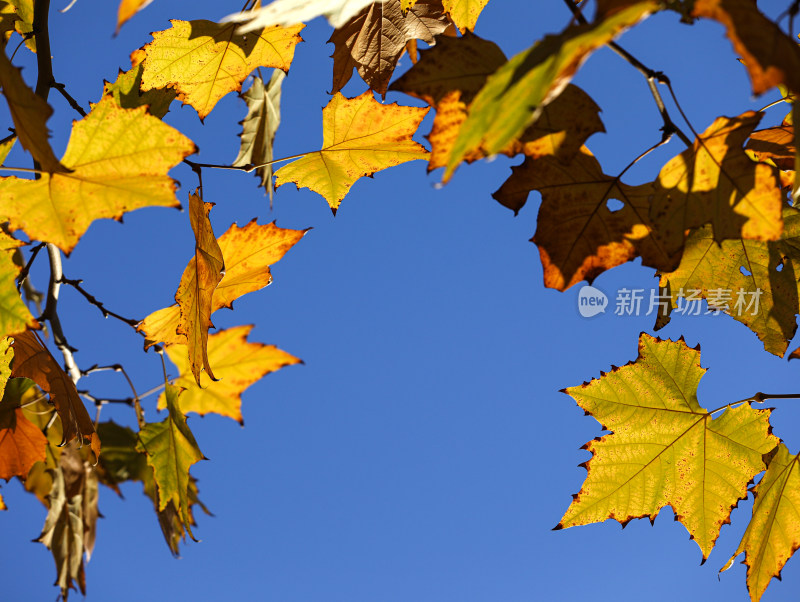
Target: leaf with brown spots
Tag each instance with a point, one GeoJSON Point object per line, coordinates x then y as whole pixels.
{"type": "Point", "coordinates": [664, 449]}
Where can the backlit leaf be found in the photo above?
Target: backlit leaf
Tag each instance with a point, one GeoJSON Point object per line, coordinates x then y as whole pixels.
{"type": "Point", "coordinates": [171, 450]}
{"type": "Point", "coordinates": [127, 93]}
{"type": "Point", "coordinates": [664, 448]}
{"type": "Point", "coordinates": [120, 159]}
{"type": "Point", "coordinates": [775, 143]}
{"type": "Point", "coordinates": [259, 126]}
{"type": "Point", "coordinates": [373, 41]}
{"type": "Point", "coordinates": [248, 253]}
{"type": "Point", "coordinates": [14, 314]}
{"type": "Point", "coordinates": [766, 273]}
{"type": "Point", "coordinates": [203, 61]}
{"type": "Point", "coordinates": [238, 364]}
{"type": "Point", "coordinates": [515, 95]}
{"type": "Point", "coordinates": [289, 12]}
{"type": "Point", "coordinates": [24, 21]}
{"type": "Point", "coordinates": [128, 8]}
{"type": "Point", "coordinates": [30, 114]}
{"type": "Point", "coordinates": [360, 137]}
{"type": "Point", "coordinates": [33, 360]}
{"type": "Point", "coordinates": [578, 235]}
{"type": "Point", "coordinates": [771, 57]}
{"type": "Point", "coordinates": [21, 442]}
{"type": "Point", "coordinates": [464, 13]}
{"type": "Point", "coordinates": [773, 534]}
{"type": "Point", "coordinates": [716, 182]}
{"type": "Point", "coordinates": [201, 277]}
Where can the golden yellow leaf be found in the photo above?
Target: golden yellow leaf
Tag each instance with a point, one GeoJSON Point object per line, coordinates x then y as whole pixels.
{"type": "Point", "coordinates": [715, 182]}
{"type": "Point", "coordinates": [771, 57]}
{"type": "Point", "coordinates": [237, 362]}
{"type": "Point", "coordinates": [464, 13]}
{"type": "Point", "coordinates": [127, 93]}
{"type": "Point", "coordinates": [24, 21]}
{"type": "Point", "coordinates": [204, 61]}
{"type": "Point", "coordinates": [33, 360]}
{"type": "Point", "coordinates": [120, 159]}
{"type": "Point", "coordinates": [248, 253]}
{"type": "Point", "coordinates": [128, 8]}
{"type": "Point", "coordinates": [360, 137]}
{"type": "Point", "coordinates": [664, 448]}
{"type": "Point", "coordinates": [30, 114]}
{"type": "Point", "coordinates": [14, 314]}
{"type": "Point", "coordinates": [201, 277]}
{"type": "Point", "coordinates": [773, 535]}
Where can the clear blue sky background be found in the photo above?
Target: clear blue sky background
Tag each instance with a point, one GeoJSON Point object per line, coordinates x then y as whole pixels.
{"type": "Point", "coordinates": [423, 452]}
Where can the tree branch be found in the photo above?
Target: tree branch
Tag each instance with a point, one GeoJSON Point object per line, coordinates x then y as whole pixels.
{"type": "Point", "coordinates": [76, 284]}
{"type": "Point", "coordinates": [72, 102]}
{"type": "Point", "coordinates": [669, 128]}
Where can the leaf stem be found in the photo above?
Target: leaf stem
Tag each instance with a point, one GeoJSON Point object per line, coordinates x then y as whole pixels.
{"type": "Point", "coordinates": [249, 167]}
{"type": "Point", "coordinates": [34, 170]}
{"type": "Point", "coordinates": [758, 398]}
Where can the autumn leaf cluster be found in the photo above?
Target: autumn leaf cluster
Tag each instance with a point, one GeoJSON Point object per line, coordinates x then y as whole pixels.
{"type": "Point", "coordinates": [720, 214]}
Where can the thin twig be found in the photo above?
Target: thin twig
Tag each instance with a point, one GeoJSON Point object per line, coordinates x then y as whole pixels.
{"type": "Point", "coordinates": [134, 401]}
{"type": "Point", "coordinates": [653, 77]}
{"type": "Point", "coordinates": [758, 398]}
{"type": "Point", "coordinates": [25, 270]}
{"type": "Point", "coordinates": [51, 313]}
{"type": "Point", "coordinates": [72, 102]}
{"type": "Point", "coordinates": [35, 170]}
{"type": "Point", "coordinates": [76, 284]}
{"type": "Point", "coordinates": [248, 168]}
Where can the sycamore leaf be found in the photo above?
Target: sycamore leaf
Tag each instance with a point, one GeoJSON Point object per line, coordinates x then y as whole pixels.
{"type": "Point", "coordinates": [201, 277]}
{"type": "Point", "coordinates": [24, 21]}
{"type": "Point", "coordinates": [5, 147]}
{"type": "Point", "coordinates": [237, 362]}
{"type": "Point", "coordinates": [515, 95]}
{"type": "Point", "coordinates": [14, 314]}
{"type": "Point", "coordinates": [30, 114]}
{"type": "Point", "coordinates": [8, 19]}
{"type": "Point", "coordinates": [360, 137]}
{"type": "Point", "coordinates": [171, 450]}
{"type": "Point", "coordinates": [121, 462]}
{"type": "Point", "coordinates": [761, 279]}
{"type": "Point", "coordinates": [120, 159]}
{"type": "Point", "coordinates": [664, 448]}
{"type": "Point", "coordinates": [288, 12]}
{"type": "Point", "coordinates": [449, 75]}
{"type": "Point", "coordinates": [6, 355]}
{"type": "Point", "coordinates": [773, 534]}
{"type": "Point", "coordinates": [464, 13]}
{"type": "Point", "coordinates": [203, 61]}
{"type": "Point", "coordinates": [776, 144]}
{"type": "Point", "coordinates": [373, 41]}
{"type": "Point", "coordinates": [716, 182]}
{"type": "Point", "coordinates": [128, 8]}
{"type": "Point", "coordinates": [126, 90]}
{"type": "Point", "coordinates": [578, 236]}
{"type": "Point", "coordinates": [33, 360]}
{"type": "Point", "coordinates": [259, 126]}
{"type": "Point", "coordinates": [70, 526]}
{"type": "Point", "coordinates": [771, 57]}
{"type": "Point", "coordinates": [248, 253]}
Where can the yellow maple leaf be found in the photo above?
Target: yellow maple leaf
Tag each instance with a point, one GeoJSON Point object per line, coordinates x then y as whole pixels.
{"type": "Point", "coordinates": [204, 61]}
{"type": "Point", "coordinates": [464, 13]}
{"type": "Point", "coordinates": [237, 362]}
{"type": "Point", "coordinates": [664, 448]}
{"type": "Point", "coordinates": [715, 182]}
{"type": "Point", "coordinates": [14, 314]}
{"type": "Point", "coordinates": [773, 535]}
{"type": "Point", "coordinates": [120, 159]}
{"type": "Point", "coordinates": [360, 137]}
{"type": "Point", "coordinates": [195, 291]}
{"type": "Point", "coordinates": [248, 253]}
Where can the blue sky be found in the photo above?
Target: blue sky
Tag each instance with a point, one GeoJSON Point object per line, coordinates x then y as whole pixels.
{"type": "Point", "coordinates": [423, 452]}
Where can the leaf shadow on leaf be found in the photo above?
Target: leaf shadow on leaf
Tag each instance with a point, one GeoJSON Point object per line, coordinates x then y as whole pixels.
{"type": "Point", "coordinates": [777, 282]}
{"type": "Point", "coordinates": [226, 35]}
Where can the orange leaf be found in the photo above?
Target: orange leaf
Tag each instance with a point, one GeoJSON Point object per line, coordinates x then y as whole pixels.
{"type": "Point", "coordinates": [196, 289]}
{"type": "Point", "coordinates": [128, 8]}
{"type": "Point", "coordinates": [22, 444]}
{"type": "Point", "coordinates": [33, 360]}
{"type": "Point", "coordinates": [771, 57]}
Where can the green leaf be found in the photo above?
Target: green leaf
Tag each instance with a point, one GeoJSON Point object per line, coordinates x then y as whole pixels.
{"type": "Point", "coordinates": [171, 450]}
{"type": "Point", "coordinates": [514, 96]}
